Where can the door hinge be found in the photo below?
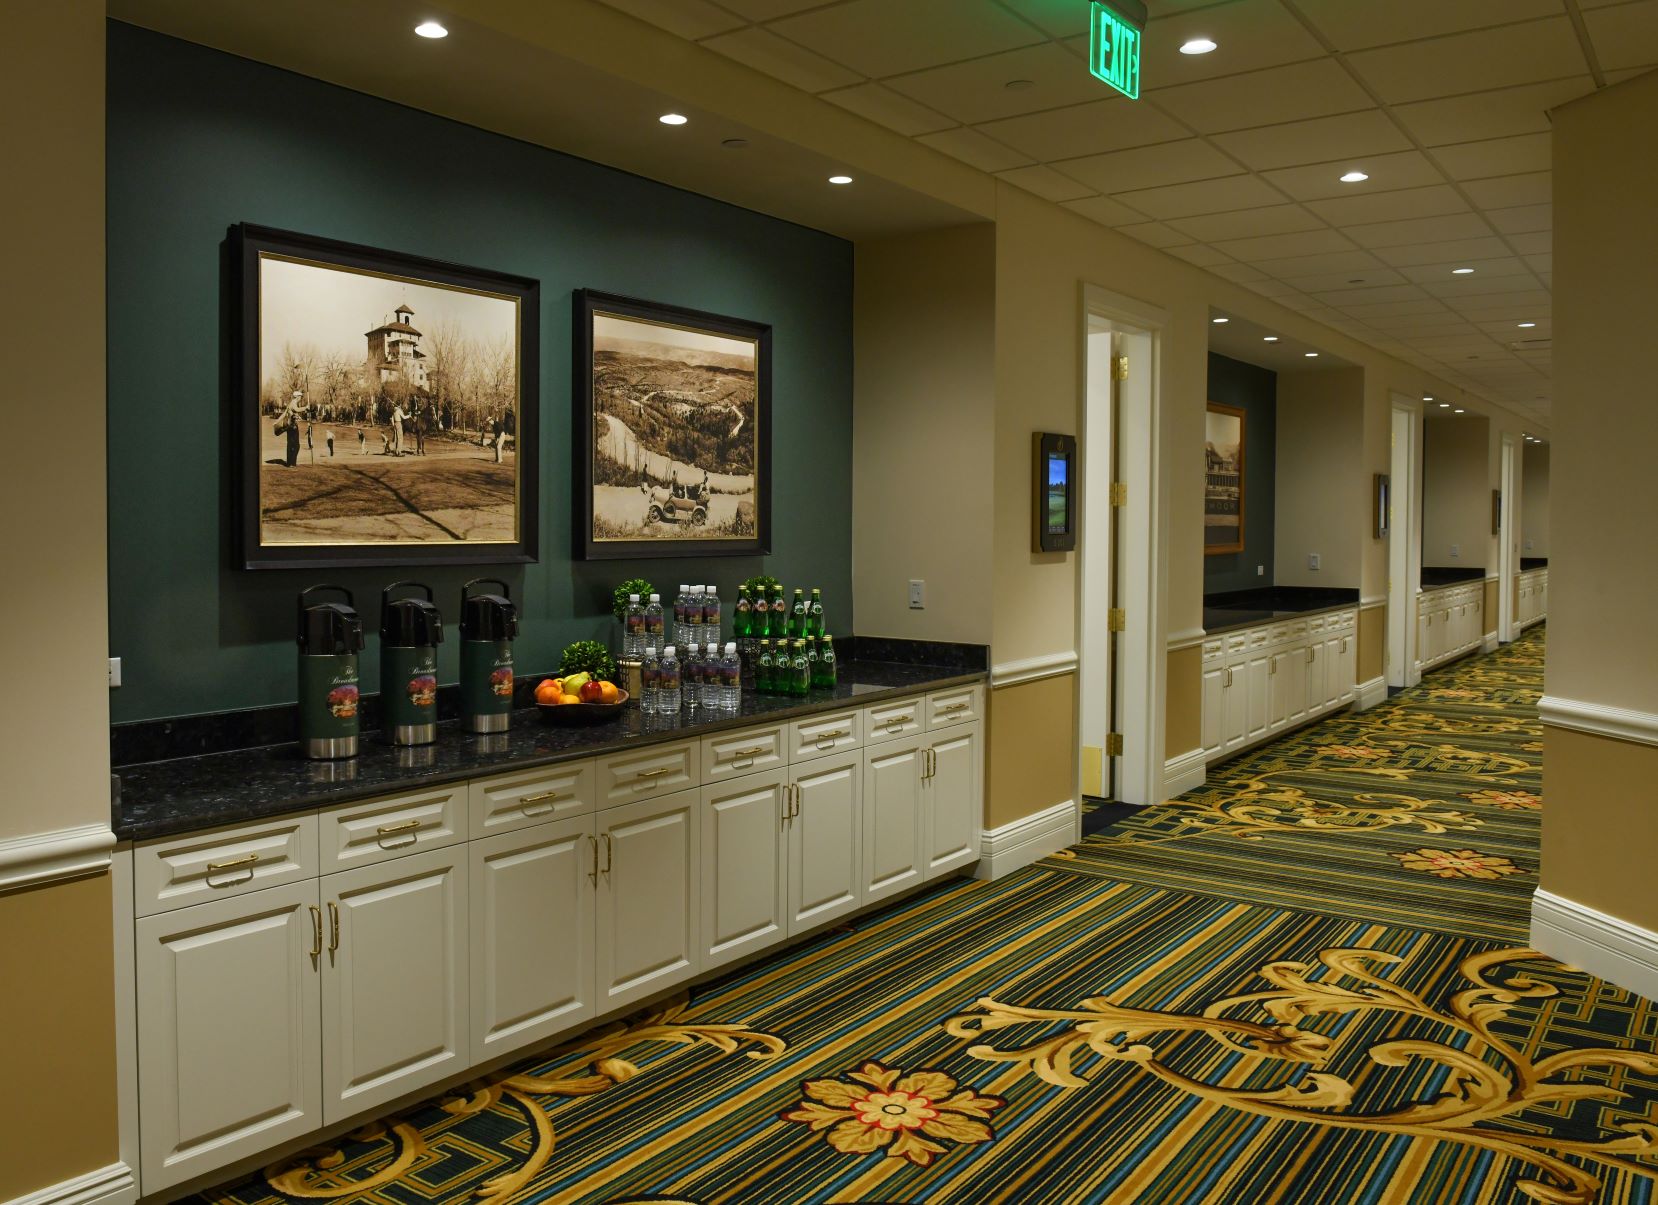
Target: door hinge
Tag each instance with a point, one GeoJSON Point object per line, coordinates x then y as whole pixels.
{"type": "Point", "coordinates": [1119, 493]}
{"type": "Point", "coordinates": [1119, 368]}
{"type": "Point", "coordinates": [1113, 744]}
{"type": "Point", "coordinates": [1116, 619]}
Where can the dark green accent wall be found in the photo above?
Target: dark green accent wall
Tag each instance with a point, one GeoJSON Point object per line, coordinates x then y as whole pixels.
{"type": "Point", "coordinates": [1254, 391]}
{"type": "Point", "coordinates": [200, 140]}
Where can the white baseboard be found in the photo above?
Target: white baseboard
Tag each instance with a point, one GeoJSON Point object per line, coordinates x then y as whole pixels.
{"type": "Point", "coordinates": [1620, 723]}
{"type": "Point", "coordinates": [112, 1185]}
{"type": "Point", "coordinates": [1185, 773]}
{"type": "Point", "coordinates": [1603, 945]}
{"type": "Point", "coordinates": [1368, 694]}
{"type": "Point", "coordinates": [1021, 842]}
{"type": "Point", "coordinates": [64, 853]}
{"type": "Point", "coordinates": [1489, 643]}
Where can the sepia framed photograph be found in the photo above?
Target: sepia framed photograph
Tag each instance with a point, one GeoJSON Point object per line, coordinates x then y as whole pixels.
{"type": "Point", "coordinates": [672, 431]}
{"type": "Point", "coordinates": [387, 406]}
{"type": "Point", "coordinates": [1223, 482]}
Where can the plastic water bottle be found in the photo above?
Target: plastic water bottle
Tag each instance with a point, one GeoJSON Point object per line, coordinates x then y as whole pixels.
{"type": "Point", "coordinates": [650, 681]}
{"type": "Point", "coordinates": [711, 633]}
{"type": "Point", "coordinates": [668, 694]}
{"type": "Point", "coordinates": [694, 672]}
{"type": "Point", "coordinates": [682, 631]}
{"type": "Point", "coordinates": [655, 636]}
{"type": "Point", "coordinates": [731, 679]}
{"type": "Point", "coordinates": [699, 599]}
{"type": "Point", "coordinates": [633, 631]}
{"type": "Point", "coordinates": [708, 685]}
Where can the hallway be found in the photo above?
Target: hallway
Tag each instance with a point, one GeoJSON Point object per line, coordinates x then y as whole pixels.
{"type": "Point", "coordinates": [1305, 983]}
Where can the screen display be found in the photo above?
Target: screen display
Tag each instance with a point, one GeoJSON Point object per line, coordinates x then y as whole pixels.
{"type": "Point", "coordinates": [1059, 497]}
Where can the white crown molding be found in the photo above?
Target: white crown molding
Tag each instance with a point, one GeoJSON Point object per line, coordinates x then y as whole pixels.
{"type": "Point", "coordinates": [1187, 772]}
{"type": "Point", "coordinates": [1620, 723]}
{"type": "Point", "coordinates": [1606, 947]}
{"type": "Point", "coordinates": [1367, 694]}
{"type": "Point", "coordinates": [112, 1185]}
{"type": "Point", "coordinates": [67, 853]}
{"type": "Point", "coordinates": [1372, 602]}
{"type": "Point", "coordinates": [1021, 842]}
{"type": "Point", "coordinates": [1032, 669]}
{"type": "Point", "coordinates": [1186, 639]}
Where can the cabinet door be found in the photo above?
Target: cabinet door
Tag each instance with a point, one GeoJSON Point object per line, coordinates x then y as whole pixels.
{"type": "Point", "coordinates": [1424, 635]}
{"type": "Point", "coordinates": [530, 917]}
{"type": "Point", "coordinates": [1258, 681]}
{"type": "Point", "coordinates": [825, 829]}
{"type": "Point", "coordinates": [1235, 730]}
{"type": "Point", "coordinates": [1214, 709]}
{"type": "Point", "coordinates": [744, 838]}
{"type": "Point", "coordinates": [1278, 710]}
{"type": "Point", "coordinates": [649, 897]}
{"type": "Point", "coordinates": [394, 979]}
{"type": "Point", "coordinates": [1345, 659]}
{"type": "Point", "coordinates": [893, 859]}
{"type": "Point", "coordinates": [952, 799]}
{"type": "Point", "coordinates": [229, 1020]}
{"type": "Point", "coordinates": [1318, 676]}
{"type": "Point", "coordinates": [1292, 667]}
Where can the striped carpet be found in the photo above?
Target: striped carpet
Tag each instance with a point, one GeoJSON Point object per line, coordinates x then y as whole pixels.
{"type": "Point", "coordinates": [1298, 1023]}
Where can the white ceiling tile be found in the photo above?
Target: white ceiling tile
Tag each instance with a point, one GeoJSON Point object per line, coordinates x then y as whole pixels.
{"type": "Point", "coordinates": [1353, 24]}
{"type": "Point", "coordinates": [1281, 246]}
{"type": "Point", "coordinates": [1241, 274]}
{"type": "Point", "coordinates": [1248, 36]}
{"type": "Point", "coordinates": [1484, 270]}
{"type": "Point", "coordinates": [1342, 298]}
{"type": "Point", "coordinates": [1489, 247]}
{"type": "Point", "coordinates": [880, 38]}
{"type": "Point", "coordinates": [1310, 265]}
{"type": "Point", "coordinates": [1508, 192]}
{"type": "Point", "coordinates": [1457, 293]}
{"type": "Point", "coordinates": [1061, 18]}
{"type": "Point", "coordinates": [1395, 206]}
{"type": "Point", "coordinates": [768, 10]}
{"type": "Point", "coordinates": [1537, 242]}
{"type": "Point", "coordinates": [1625, 36]}
{"type": "Point", "coordinates": [1420, 230]}
{"type": "Point", "coordinates": [1382, 309]}
{"type": "Point", "coordinates": [1112, 124]}
{"type": "Point", "coordinates": [1321, 140]}
{"type": "Point", "coordinates": [1403, 169]}
{"type": "Point", "coordinates": [1203, 257]}
{"type": "Point", "coordinates": [1150, 166]}
{"type": "Point", "coordinates": [1106, 211]}
{"type": "Point", "coordinates": [1248, 223]}
{"type": "Point", "coordinates": [1494, 114]}
{"type": "Point", "coordinates": [1523, 219]}
{"type": "Point", "coordinates": [1498, 57]}
{"type": "Point", "coordinates": [1502, 309]}
{"type": "Point", "coordinates": [1618, 77]}
{"type": "Point", "coordinates": [1203, 196]}
{"type": "Point", "coordinates": [1155, 233]}
{"type": "Point", "coordinates": [1046, 183]}
{"type": "Point", "coordinates": [1351, 278]}
{"type": "Point", "coordinates": [885, 107]}
{"type": "Point", "coordinates": [1270, 288]}
{"type": "Point", "coordinates": [1294, 93]}
{"type": "Point", "coordinates": [687, 18]}
{"type": "Point", "coordinates": [976, 91]}
{"type": "Point", "coordinates": [782, 59]}
{"type": "Point", "coordinates": [1496, 156]}
{"type": "Point", "coordinates": [973, 148]}
{"type": "Point", "coordinates": [1540, 263]}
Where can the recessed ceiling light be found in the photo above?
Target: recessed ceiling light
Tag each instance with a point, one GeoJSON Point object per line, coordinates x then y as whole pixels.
{"type": "Point", "coordinates": [840, 179]}
{"type": "Point", "coordinates": [1427, 397]}
{"type": "Point", "coordinates": [1444, 405]}
{"type": "Point", "coordinates": [1197, 46]}
{"type": "Point", "coordinates": [734, 144]}
{"type": "Point", "coordinates": [1019, 85]}
{"type": "Point", "coordinates": [1269, 338]}
{"type": "Point", "coordinates": [1459, 410]}
{"type": "Point", "coordinates": [1462, 271]}
{"type": "Point", "coordinates": [1354, 178]}
{"type": "Point", "coordinates": [673, 119]}
{"type": "Point", "coordinates": [1218, 321]}
{"type": "Point", "coordinates": [1526, 326]}
{"type": "Point", "coordinates": [1311, 355]}
{"type": "Point", "coordinates": [431, 29]}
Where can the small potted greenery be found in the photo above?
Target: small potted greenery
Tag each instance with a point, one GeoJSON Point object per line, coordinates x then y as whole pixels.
{"type": "Point", "coordinates": [588, 656]}
{"type": "Point", "coordinates": [619, 596]}
{"type": "Point", "coordinates": [759, 584]}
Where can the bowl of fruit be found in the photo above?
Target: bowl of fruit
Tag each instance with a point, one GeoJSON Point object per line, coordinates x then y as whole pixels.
{"type": "Point", "coordinates": [579, 699]}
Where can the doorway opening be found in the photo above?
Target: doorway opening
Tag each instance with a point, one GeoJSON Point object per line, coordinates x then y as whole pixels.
{"type": "Point", "coordinates": [1404, 543]}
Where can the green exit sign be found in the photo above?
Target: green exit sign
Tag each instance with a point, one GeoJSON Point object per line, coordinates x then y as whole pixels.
{"type": "Point", "coordinates": [1114, 44]}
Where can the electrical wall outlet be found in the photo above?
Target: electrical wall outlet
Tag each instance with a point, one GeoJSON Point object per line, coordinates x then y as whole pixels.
{"type": "Point", "coordinates": [1456, 550]}
{"type": "Point", "coordinates": [918, 594]}
{"type": "Point", "coordinates": [114, 672]}
{"type": "Point", "coordinates": [1312, 560]}
{"type": "Point", "coordinates": [1260, 571]}
{"type": "Point", "coordinates": [1528, 545]}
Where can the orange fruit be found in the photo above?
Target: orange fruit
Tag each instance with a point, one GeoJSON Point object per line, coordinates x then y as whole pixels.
{"type": "Point", "coordinates": [608, 693]}
{"type": "Point", "coordinates": [567, 698]}
{"type": "Point", "coordinates": [548, 691]}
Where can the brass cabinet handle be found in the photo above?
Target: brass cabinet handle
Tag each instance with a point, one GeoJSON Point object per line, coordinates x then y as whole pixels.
{"type": "Point", "coordinates": [333, 928]}
{"type": "Point", "coordinates": [245, 862]}
{"type": "Point", "coordinates": [825, 739]}
{"type": "Point", "coordinates": [1228, 681]}
{"type": "Point", "coordinates": [656, 773]}
{"type": "Point", "coordinates": [796, 811]}
{"type": "Point", "coordinates": [953, 708]}
{"type": "Point", "coordinates": [316, 932]}
{"type": "Point", "coordinates": [897, 725]}
{"type": "Point", "coordinates": [1312, 653]}
{"type": "Point", "coordinates": [1272, 664]}
{"type": "Point", "coordinates": [544, 797]}
{"type": "Point", "coordinates": [783, 817]}
{"type": "Point", "coordinates": [402, 826]}
{"type": "Point", "coordinates": [609, 852]}
{"type": "Point", "coordinates": [594, 873]}
{"type": "Point", "coordinates": [751, 751]}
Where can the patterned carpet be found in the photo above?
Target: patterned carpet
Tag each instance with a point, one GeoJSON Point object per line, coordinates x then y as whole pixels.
{"type": "Point", "coordinates": [1298, 985]}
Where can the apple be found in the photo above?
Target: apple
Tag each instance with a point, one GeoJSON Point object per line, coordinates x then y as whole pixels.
{"type": "Point", "coordinates": [592, 692]}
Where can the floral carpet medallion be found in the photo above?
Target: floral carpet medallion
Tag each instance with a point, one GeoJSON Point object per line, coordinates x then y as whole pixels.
{"type": "Point", "coordinates": [877, 1108]}
{"type": "Point", "coordinates": [1457, 864]}
{"type": "Point", "coordinates": [1509, 801]}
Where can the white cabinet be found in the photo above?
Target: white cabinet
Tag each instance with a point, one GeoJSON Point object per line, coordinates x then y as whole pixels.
{"type": "Point", "coordinates": [530, 916]}
{"type": "Point", "coordinates": [649, 897]}
{"type": "Point", "coordinates": [952, 798]}
{"type": "Point", "coordinates": [1213, 722]}
{"type": "Point", "coordinates": [1343, 652]}
{"type": "Point", "coordinates": [893, 858]}
{"type": "Point", "coordinates": [394, 979]}
{"type": "Point", "coordinates": [1450, 622]}
{"type": "Point", "coordinates": [229, 1026]}
{"type": "Point", "coordinates": [825, 831]}
{"type": "Point", "coordinates": [1257, 670]}
{"type": "Point", "coordinates": [744, 871]}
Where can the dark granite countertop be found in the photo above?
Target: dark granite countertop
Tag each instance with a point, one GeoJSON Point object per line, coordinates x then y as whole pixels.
{"type": "Point", "coordinates": [1270, 604]}
{"type": "Point", "coordinates": [1528, 563]}
{"type": "Point", "coordinates": [1437, 577]}
{"type": "Point", "coordinates": [184, 794]}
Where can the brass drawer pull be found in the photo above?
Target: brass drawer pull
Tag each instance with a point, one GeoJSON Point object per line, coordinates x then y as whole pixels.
{"type": "Point", "coordinates": [594, 873]}
{"type": "Point", "coordinates": [333, 928]}
{"type": "Point", "coordinates": [833, 734]}
{"type": "Point", "coordinates": [402, 826]}
{"type": "Point", "coordinates": [953, 708]}
{"type": "Point", "coordinates": [608, 853]}
{"type": "Point", "coordinates": [245, 861]}
{"type": "Point", "coordinates": [550, 798]}
{"type": "Point", "coordinates": [751, 751]}
{"type": "Point", "coordinates": [900, 723]}
{"type": "Point", "coordinates": [656, 773]}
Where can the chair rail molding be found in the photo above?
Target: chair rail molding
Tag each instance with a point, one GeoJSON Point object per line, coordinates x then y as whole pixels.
{"type": "Point", "coordinates": [65, 853]}
{"type": "Point", "coordinates": [1186, 639]}
{"type": "Point", "coordinates": [1620, 723]}
{"type": "Point", "coordinates": [1021, 842]}
{"type": "Point", "coordinates": [112, 1185]}
{"type": "Point", "coordinates": [1031, 669]}
{"type": "Point", "coordinates": [1603, 945]}
{"type": "Point", "coordinates": [1373, 601]}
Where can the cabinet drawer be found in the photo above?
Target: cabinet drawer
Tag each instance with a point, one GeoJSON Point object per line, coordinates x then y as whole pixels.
{"type": "Point", "coordinates": [1213, 650]}
{"type": "Point", "coordinates": [1258, 637]}
{"type": "Point", "coordinates": [656, 770]}
{"type": "Point", "coordinates": [175, 872]}
{"type": "Point", "coordinates": [822, 735]}
{"type": "Point", "coordinates": [1237, 642]}
{"type": "Point", "coordinates": [962, 705]}
{"type": "Point", "coordinates": [362, 834]}
{"type": "Point", "coordinates": [515, 801]}
{"type": "Point", "coordinates": [892, 721]}
{"type": "Point", "coordinates": [746, 751]}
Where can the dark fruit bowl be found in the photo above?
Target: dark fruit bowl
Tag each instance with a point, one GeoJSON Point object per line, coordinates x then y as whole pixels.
{"type": "Point", "coordinates": [581, 713]}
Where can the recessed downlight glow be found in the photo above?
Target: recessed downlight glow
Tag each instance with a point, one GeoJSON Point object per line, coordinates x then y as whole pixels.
{"type": "Point", "coordinates": [1219, 321]}
{"type": "Point", "coordinates": [1198, 46]}
{"type": "Point", "coordinates": [673, 119]}
{"type": "Point", "coordinates": [431, 29]}
{"type": "Point", "coordinates": [1459, 410]}
{"type": "Point", "coordinates": [1526, 326]}
{"type": "Point", "coordinates": [1269, 338]}
{"type": "Point", "coordinates": [840, 179]}
{"type": "Point", "coordinates": [1427, 397]}
{"type": "Point", "coordinates": [1354, 178]}
{"type": "Point", "coordinates": [1311, 355]}
{"type": "Point", "coordinates": [1444, 405]}
{"type": "Point", "coordinates": [1462, 271]}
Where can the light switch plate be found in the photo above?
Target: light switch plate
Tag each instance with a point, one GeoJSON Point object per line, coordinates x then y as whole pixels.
{"type": "Point", "coordinates": [918, 594]}
{"type": "Point", "coordinates": [1312, 560]}
{"type": "Point", "coordinates": [1456, 549]}
{"type": "Point", "coordinates": [114, 672]}
{"type": "Point", "coordinates": [1260, 571]}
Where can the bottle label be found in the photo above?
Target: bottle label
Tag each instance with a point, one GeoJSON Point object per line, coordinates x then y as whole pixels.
{"type": "Point", "coordinates": [711, 610]}
{"type": "Point", "coordinates": [730, 676]}
{"type": "Point", "coordinates": [636, 624]}
{"type": "Point", "coordinates": [653, 625]}
{"type": "Point", "coordinates": [669, 679]}
{"type": "Point", "coordinates": [486, 677]}
{"type": "Point", "coordinates": [408, 686]}
{"type": "Point", "coordinates": [330, 699]}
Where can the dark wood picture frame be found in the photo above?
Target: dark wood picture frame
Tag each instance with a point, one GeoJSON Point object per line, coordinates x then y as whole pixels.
{"type": "Point", "coordinates": [1210, 484]}
{"type": "Point", "coordinates": [1048, 451]}
{"type": "Point", "coordinates": [1381, 505]}
{"type": "Point", "coordinates": [249, 245]}
{"type": "Point", "coordinates": [590, 303]}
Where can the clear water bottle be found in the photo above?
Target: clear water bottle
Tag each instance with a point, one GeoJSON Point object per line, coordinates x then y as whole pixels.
{"type": "Point", "coordinates": [655, 636]}
{"type": "Point", "coordinates": [711, 633]}
{"type": "Point", "coordinates": [682, 602]}
{"type": "Point", "coordinates": [650, 681]}
{"type": "Point", "coordinates": [693, 613]}
{"type": "Point", "coordinates": [708, 686]}
{"type": "Point", "coordinates": [668, 694]}
{"type": "Point", "coordinates": [691, 672]}
{"type": "Point", "coordinates": [633, 629]}
{"type": "Point", "coordinates": [731, 679]}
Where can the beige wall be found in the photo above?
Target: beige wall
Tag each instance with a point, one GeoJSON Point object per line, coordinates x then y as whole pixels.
{"type": "Point", "coordinates": [1600, 820]}
{"type": "Point", "coordinates": [1032, 762]}
{"type": "Point", "coordinates": [923, 405]}
{"type": "Point", "coordinates": [1185, 706]}
{"type": "Point", "coordinates": [1372, 643]}
{"type": "Point", "coordinates": [1323, 492]}
{"type": "Point", "coordinates": [1456, 492]}
{"type": "Point", "coordinates": [1534, 502]}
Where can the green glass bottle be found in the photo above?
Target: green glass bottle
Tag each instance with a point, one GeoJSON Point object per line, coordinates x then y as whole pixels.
{"type": "Point", "coordinates": [742, 619]}
{"type": "Point", "coordinates": [814, 614]}
{"type": "Point", "coordinates": [764, 675]}
{"type": "Point", "coordinates": [797, 616]}
{"type": "Point", "coordinates": [828, 676]}
{"type": "Point", "coordinates": [800, 673]}
{"type": "Point", "coordinates": [811, 662]}
{"type": "Point", "coordinates": [777, 622]}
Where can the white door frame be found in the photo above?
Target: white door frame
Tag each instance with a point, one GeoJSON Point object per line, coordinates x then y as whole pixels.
{"type": "Point", "coordinates": [1508, 627]}
{"type": "Point", "coordinates": [1404, 536]}
{"type": "Point", "coordinates": [1142, 552]}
